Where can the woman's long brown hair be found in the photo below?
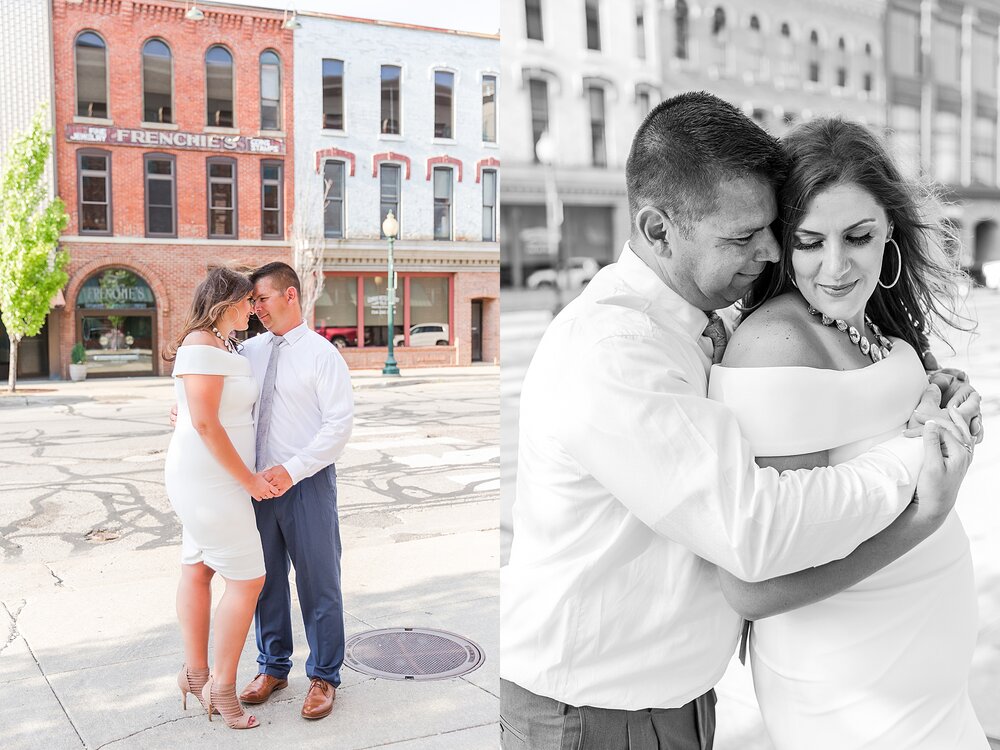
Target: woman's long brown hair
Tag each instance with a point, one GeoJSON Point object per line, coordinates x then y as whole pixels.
{"type": "Point", "coordinates": [222, 288]}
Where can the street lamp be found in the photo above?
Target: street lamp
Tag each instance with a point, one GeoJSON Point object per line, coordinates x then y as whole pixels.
{"type": "Point", "coordinates": [546, 152]}
{"type": "Point", "coordinates": [390, 227]}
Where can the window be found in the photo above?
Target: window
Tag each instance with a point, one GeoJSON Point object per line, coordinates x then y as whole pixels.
{"type": "Point", "coordinates": [984, 60]}
{"type": "Point", "coordinates": [904, 42]}
{"type": "Point", "coordinates": [593, 13]}
{"type": "Point", "coordinates": [222, 198]}
{"type": "Point", "coordinates": [389, 194]}
{"type": "Point", "coordinates": [219, 83]}
{"type": "Point", "coordinates": [640, 32]}
{"type": "Point", "coordinates": [598, 146]}
{"type": "Point", "coordinates": [643, 101]}
{"type": "Point", "coordinates": [270, 91]}
{"type": "Point", "coordinates": [157, 82]}
{"type": "Point", "coordinates": [841, 63]}
{"type": "Point", "coordinates": [333, 201]}
{"type": "Point", "coordinates": [814, 56]}
{"type": "Point", "coordinates": [91, 76]}
{"type": "Point", "coordinates": [945, 149]}
{"type": "Point", "coordinates": [444, 86]}
{"type": "Point", "coordinates": [904, 122]}
{"type": "Point", "coordinates": [946, 41]}
{"type": "Point", "coordinates": [333, 94]}
{"type": "Point", "coordinates": [754, 24]}
{"type": "Point", "coordinates": [391, 117]}
{"type": "Point", "coordinates": [271, 199]}
{"type": "Point", "coordinates": [984, 150]}
{"type": "Point", "coordinates": [94, 189]}
{"type": "Point", "coordinates": [866, 78]}
{"type": "Point", "coordinates": [161, 195]}
{"type": "Point", "coordinates": [533, 18]}
{"type": "Point", "coordinates": [539, 94]}
{"type": "Point", "coordinates": [442, 203]}
{"type": "Point", "coordinates": [489, 205]}
{"type": "Point", "coordinates": [681, 30]}
{"type": "Point", "coordinates": [718, 23]}
{"type": "Point", "coordinates": [490, 109]}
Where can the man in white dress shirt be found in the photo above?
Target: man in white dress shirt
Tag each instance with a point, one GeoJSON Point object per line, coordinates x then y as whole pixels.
{"type": "Point", "coordinates": [309, 416]}
{"type": "Point", "coordinates": [632, 485]}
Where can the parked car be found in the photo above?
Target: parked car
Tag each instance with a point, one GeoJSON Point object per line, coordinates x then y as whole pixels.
{"type": "Point", "coordinates": [578, 272]}
{"type": "Point", "coordinates": [339, 336]}
{"type": "Point", "coordinates": [425, 334]}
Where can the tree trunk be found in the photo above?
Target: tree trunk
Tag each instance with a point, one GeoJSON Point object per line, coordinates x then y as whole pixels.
{"type": "Point", "coordinates": [12, 377]}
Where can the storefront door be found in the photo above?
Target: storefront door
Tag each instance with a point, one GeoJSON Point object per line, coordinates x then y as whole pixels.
{"type": "Point", "coordinates": [477, 330]}
{"type": "Point", "coordinates": [116, 323]}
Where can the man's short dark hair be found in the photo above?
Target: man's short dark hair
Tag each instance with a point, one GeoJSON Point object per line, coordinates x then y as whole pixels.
{"type": "Point", "coordinates": [281, 275]}
{"type": "Point", "coordinates": [687, 146]}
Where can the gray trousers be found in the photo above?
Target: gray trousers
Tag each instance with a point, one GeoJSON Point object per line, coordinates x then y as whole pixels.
{"type": "Point", "coordinates": [534, 722]}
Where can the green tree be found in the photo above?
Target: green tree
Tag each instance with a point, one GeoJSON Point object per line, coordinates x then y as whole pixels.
{"type": "Point", "coordinates": [32, 267]}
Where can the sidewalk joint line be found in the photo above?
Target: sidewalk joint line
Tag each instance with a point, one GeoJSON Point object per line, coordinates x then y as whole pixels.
{"type": "Point", "coordinates": [54, 693]}
{"type": "Point", "coordinates": [427, 736]}
{"type": "Point", "coordinates": [146, 729]}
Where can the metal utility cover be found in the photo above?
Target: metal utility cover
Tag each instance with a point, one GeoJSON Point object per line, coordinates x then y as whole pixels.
{"type": "Point", "coordinates": [412, 654]}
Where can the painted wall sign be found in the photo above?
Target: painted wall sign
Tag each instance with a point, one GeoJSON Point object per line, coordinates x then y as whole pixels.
{"type": "Point", "coordinates": [112, 136]}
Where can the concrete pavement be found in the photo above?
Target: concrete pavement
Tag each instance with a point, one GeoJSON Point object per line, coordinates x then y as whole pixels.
{"type": "Point", "coordinates": [89, 646]}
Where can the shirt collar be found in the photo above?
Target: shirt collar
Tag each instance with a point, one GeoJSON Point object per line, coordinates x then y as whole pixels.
{"type": "Point", "coordinates": [295, 334]}
{"type": "Point", "coordinates": [664, 302]}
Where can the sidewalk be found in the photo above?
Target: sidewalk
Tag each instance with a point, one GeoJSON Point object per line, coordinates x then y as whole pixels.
{"type": "Point", "coordinates": [89, 646]}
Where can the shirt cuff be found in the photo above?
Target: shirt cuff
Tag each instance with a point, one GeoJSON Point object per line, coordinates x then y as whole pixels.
{"type": "Point", "coordinates": [296, 469]}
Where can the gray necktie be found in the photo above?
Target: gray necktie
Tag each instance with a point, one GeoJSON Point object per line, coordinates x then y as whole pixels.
{"type": "Point", "coordinates": [264, 407]}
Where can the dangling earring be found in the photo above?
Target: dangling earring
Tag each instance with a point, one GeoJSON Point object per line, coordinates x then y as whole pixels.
{"type": "Point", "coordinates": [899, 267]}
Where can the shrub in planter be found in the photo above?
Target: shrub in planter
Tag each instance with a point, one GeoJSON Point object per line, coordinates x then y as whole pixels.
{"type": "Point", "coordinates": [78, 368]}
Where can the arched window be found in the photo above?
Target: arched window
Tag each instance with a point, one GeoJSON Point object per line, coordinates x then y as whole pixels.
{"type": "Point", "coordinates": [718, 21]}
{"type": "Point", "coordinates": [219, 84]}
{"type": "Point", "coordinates": [681, 30]}
{"type": "Point", "coordinates": [841, 63]}
{"type": "Point", "coordinates": [91, 75]}
{"type": "Point", "coordinates": [270, 91]}
{"type": "Point", "coordinates": [157, 82]}
{"type": "Point", "coordinates": [754, 23]}
{"type": "Point", "coordinates": [786, 31]}
{"type": "Point", "coordinates": [814, 56]}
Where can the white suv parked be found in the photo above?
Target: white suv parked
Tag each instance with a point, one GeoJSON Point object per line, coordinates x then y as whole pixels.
{"type": "Point", "coordinates": [425, 334]}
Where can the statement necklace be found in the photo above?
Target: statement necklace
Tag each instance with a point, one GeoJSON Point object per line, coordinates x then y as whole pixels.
{"type": "Point", "coordinates": [226, 342]}
{"type": "Point", "coordinates": [875, 351]}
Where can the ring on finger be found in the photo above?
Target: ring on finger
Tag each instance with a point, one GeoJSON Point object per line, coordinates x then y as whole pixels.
{"type": "Point", "coordinates": [968, 447]}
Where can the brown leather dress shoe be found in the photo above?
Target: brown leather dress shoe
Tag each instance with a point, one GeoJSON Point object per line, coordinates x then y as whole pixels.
{"type": "Point", "coordinates": [261, 687]}
{"type": "Point", "coordinates": [319, 699]}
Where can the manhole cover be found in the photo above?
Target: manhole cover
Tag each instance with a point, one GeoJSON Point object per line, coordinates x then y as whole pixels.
{"type": "Point", "coordinates": [412, 654]}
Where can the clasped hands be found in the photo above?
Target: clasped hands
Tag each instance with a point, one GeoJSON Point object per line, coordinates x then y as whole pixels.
{"type": "Point", "coordinates": [953, 403]}
{"type": "Point", "coordinates": [269, 483]}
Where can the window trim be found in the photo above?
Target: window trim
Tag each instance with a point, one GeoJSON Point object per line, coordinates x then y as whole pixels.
{"type": "Point", "coordinates": [343, 199]}
{"type": "Point", "coordinates": [280, 164]}
{"type": "Point", "coordinates": [343, 96]}
{"type": "Point", "coordinates": [142, 57]}
{"type": "Point", "coordinates": [80, 153]}
{"type": "Point", "coordinates": [451, 203]}
{"type": "Point", "coordinates": [209, 161]}
{"type": "Point", "coordinates": [493, 228]}
{"type": "Point", "coordinates": [233, 93]}
{"type": "Point", "coordinates": [399, 195]}
{"type": "Point", "coordinates": [399, 97]}
{"type": "Point", "coordinates": [590, 86]}
{"type": "Point", "coordinates": [454, 89]}
{"type": "Point", "coordinates": [146, 158]}
{"type": "Point", "coordinates": [260, 80]}
{"type": "Point", "coordinates": [76, 75]}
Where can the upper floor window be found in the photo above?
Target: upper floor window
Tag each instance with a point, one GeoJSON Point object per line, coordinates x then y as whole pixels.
{"type": "Point", "coordinates": [333, 199]}
{"type": "Point", "coordinates": [490, 109]}
{"type": "Point", "coordinates": [219, 84]}
{"type": "Point", "coordinates": [444, 87]}
{"type": "Point", "coordinates": [388, 193]}
{"type": "Point", "coordinates": [718, 23]}
{"type": "Point", "coordinates": [94, 191]}
{"type": "Point", "coordinates": [841, 63]}
{"type": "Point", "coordinates": [538, 91]}
{"type": "Point", "coordinates": [91, 76]}
{"type": "Point", "coordinates": [271, 199]}
{"type": "Point", "coordinates": [814, 56]}
{"type": "Point", "coordinates": [157, 82]}
{"type": "Point", "coordinates": [904, 42]}
{"type": "Point", "coordinates": [333, 94]}
{"type": "Point", "coordinates": [222, 198]}
{"type": "Point", "coordinates": [754, 23]}
{"type": "Point", "coordinates": [533, 18]}
{"type": "Point", "coordinates": [391, 115]}
{"type": "Point", "coordinates": [442, 203]}
{"type": "Point", "coordinates": [270, 91]}
{"type": "Point", "coordinates": [161, 196]}
{"type": "Point", "coordinates": [640, 31]}
{"type": "Point", "coordinates": [489, 205]}
{"type": "Point", "coordinates": [681, 30]}
{"type": "Point", "coordinates": [593, 16]}
{"type": "Point", "coordinates": [598, 144]}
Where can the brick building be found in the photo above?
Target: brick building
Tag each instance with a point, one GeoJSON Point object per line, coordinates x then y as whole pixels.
{"type": "Point", "coordinates": [173, 154]}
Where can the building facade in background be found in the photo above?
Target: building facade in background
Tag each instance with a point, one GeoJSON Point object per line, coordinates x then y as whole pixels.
{"type": "Point", "coordinates": [924, 72]}
{"type": "Point", "coordinates": [393, 117]}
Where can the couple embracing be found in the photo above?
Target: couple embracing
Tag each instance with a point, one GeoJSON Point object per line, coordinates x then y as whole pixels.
{"type": "Point", "coordinates": [792, 481]}
{"type": "Point", "coordinates": [265, 419]}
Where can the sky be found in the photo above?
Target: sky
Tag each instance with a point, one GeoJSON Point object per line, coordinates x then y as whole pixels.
{"type": "Point", "coordinates": [465, 15]}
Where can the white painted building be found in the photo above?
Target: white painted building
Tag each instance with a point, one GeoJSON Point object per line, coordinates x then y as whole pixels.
{"type": "Point", "coordinates": [392, 116]}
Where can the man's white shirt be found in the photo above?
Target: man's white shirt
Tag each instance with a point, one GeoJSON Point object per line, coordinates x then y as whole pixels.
{"type": "Point", "coordinates": [313, 409]}
{"type": "Point", "coordinates": [631, 483]}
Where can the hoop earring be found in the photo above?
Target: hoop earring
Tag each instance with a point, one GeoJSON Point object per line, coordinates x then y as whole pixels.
{"type": "Point", "coordinates": [899, 266]}
{"type": "Point", "coordinates": [791, 280]}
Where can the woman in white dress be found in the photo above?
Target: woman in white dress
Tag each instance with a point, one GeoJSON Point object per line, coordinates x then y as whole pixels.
{"type": "Point", "coordinates": [210, 482]}
{"type": "Point", "coordinates": [826, 363]}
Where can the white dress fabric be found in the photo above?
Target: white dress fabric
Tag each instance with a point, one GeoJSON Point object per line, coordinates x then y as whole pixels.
{"type": "Point", "coordinates": [220, 528]}
{"type": "Point", "coordinates": [883, 665]}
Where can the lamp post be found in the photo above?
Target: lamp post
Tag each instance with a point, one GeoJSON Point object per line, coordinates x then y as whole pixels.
{"type": "Point", "coordinates": [546, 152]}
{"type": "Point", "coordinates": [390, 227]}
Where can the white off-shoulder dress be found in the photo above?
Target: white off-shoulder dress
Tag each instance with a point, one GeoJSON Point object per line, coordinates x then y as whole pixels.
{"type": "Point", "coordinates": [220, 529]}
{"type": "Point", "coordinates": [885, 664]}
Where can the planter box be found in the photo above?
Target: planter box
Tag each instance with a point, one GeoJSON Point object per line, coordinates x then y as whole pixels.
{"type": "Point", "coordinates": [77, 372]}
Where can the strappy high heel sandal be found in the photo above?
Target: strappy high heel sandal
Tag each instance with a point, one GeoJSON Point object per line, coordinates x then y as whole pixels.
{"type": "Point", "coordinates": [223, 697]}
{"type": "Point", "coordinates": [192, 681]}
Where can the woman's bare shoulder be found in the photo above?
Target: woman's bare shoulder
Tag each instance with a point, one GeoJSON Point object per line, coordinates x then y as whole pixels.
{"type": "Point", "coordinates": [780, 333]}
{"type": "Point", "coordinates": [200, 338]}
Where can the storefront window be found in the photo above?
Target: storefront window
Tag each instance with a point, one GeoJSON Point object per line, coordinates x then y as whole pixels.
{"type": "Point", "coordinates": [429, 310]}
{"type": "Point", "coordinates": [336, 311]}
{"type": "Point", "coordinates": [376, 308]}
{"type": "Point", "coordinates": [116, 322]}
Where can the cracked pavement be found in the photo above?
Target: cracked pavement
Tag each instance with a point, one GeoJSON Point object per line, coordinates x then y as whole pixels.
{"type": "Point", "coordinates": [89, 555]}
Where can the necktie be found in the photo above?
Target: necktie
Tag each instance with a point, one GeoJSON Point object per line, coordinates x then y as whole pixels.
{"type": "Point", "coordinates": [716, 331]}
{"type": "Point", "coordinates": [264, 408]}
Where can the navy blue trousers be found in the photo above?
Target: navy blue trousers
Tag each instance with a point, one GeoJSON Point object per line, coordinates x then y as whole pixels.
{"type": "Point", "coordinates": [301, 527]}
